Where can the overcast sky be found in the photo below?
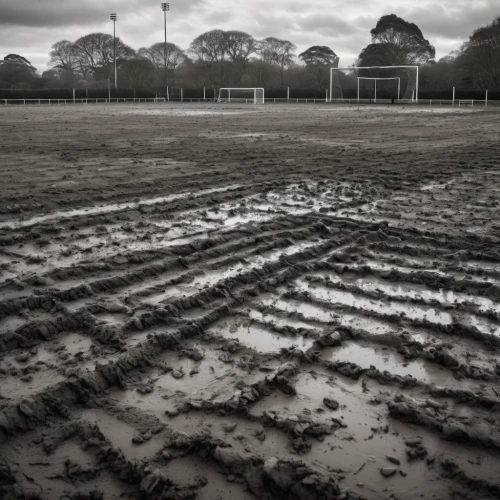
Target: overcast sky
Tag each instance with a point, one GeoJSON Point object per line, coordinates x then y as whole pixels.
{"type": "Point", "coordinates": [30, 27]}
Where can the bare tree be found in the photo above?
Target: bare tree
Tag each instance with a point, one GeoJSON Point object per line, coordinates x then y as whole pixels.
{"type": "Point", "coordinates": [240, 45]}
{"type": "Point", "coordinates": [156, 54]}
{"type": "Point", "coordinates": [211, 51]}
{"type": "Point", "coordinates": [94, 52]}
{"type": "Point", "coordinates": [63, 57]}
{"type": "Point", "coordinates": [278, 52]}
{"type": "Point", "coordinates": [210, 46]}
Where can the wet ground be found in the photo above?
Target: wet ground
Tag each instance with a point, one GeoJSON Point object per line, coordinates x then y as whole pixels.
{"type": "Point", "coordinates": [237, 302]}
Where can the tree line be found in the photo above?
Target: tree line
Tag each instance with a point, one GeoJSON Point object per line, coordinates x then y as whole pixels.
{"type": "Point", "coordinates": [219, 58]}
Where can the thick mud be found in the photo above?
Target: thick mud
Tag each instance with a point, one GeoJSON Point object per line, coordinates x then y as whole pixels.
{"type": "Point", "coordinates": [214, 302]}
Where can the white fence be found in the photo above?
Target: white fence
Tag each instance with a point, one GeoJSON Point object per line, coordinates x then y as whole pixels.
{"type": "Point", "coordinates": [270, 100]}
{"type": "Point", "coordinates": [86, 101]}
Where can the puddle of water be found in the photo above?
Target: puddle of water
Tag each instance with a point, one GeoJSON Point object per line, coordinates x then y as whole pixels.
{"type": "Point", "coordinates": [311, 197]}
{"type": "Point", "coordinates": [415, 291]}
{"type": "Point", "coordinates": [434, 185]}
{"type": "Point", "coordinates": [198, 374]}
{"type": "Point", "coordinates": [120, 434]}
{"type": "Point", "coordinates": [113, 207]}
{"type": "Point", "coordinates": [186, 470]}
{"type": "Point", "coordinates": [11, 323]}
{"type": "Point", "coordinates": [209, 379]}
{"type": "Point", "coordinates": [184, 112]}
{"type": "Point", "coordinates": [316, 313]}
{"type": "Point", "coordinates": [279, 321]}
{"type": "Point", "coordinates": [250, 134]}
{"type": "Point", "coordinates": [357, 450]}
{"type": "Point", "coordinates": [12, 387]}
{"type": "Point", "coordinates": [386, 359]}
{"type": "Point", "coordinates": [404, 269]}
{"type": "Point", "coordinates": [243, 219]}
{"type": "Point", "coordinates": [411, 311]}
{"type": "Point", "coordinates": [257, 337]}
{"type": "Point", "coordinates": [206, 279]}
{"type": "Point", "coordinates": [43, 475]}
{"type": "Point", "coordinates": [311, 389]}
{"type": "Point", "coordinates": [48, 352]}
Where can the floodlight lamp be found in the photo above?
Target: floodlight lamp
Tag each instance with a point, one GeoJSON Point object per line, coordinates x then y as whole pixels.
{"type": "Point", "coordinates": [165, 6]}
{"type": "Point", "coordinates": [113, 17]}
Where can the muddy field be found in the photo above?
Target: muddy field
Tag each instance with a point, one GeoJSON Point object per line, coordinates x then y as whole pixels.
{"type": "Point", "coordinates": [237, 302]}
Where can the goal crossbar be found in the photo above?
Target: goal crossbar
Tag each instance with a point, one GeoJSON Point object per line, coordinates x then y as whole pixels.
{"type": "Point", "coordinates": [356, 68]}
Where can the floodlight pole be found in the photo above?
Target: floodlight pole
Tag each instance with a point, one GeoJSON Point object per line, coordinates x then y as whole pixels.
{"type": "Point", "coordinates": [164, 8]}
{"type": "Point", "coordinates": [113, 18]}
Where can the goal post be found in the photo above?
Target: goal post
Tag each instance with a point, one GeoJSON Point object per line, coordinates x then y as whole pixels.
{"type": "Point", "coordinates": [354, 83]}
{"type": "Point", "coordinates": [246, 95]}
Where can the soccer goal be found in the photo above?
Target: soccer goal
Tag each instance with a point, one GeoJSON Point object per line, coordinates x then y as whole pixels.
{"type": "Point", "coordinates": [250, 95]}
{"type": "Point", "coordinates": [374, 84]}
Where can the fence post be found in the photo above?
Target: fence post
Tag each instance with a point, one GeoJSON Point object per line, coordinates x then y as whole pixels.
{"type": "Point", "coordinates": [288, 94]}
{"type": "Point", "coordinates": [203, 93]}
{"type": "Point", "coordinates": [453, 101]}
{"type": "Point", "coordinates": [74, 102]}
{"type": "Point", "coordinates": [182, 94]}
{"type": "Point", "coordinates": [326, 98]}
{"type": "Point", "coordinates": [486, 100]}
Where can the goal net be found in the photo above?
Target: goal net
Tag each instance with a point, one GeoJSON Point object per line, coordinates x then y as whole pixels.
{"type": "Point", "coordinates": [374, 84]}
{"type": "Point", "coordinates": [250, 95]}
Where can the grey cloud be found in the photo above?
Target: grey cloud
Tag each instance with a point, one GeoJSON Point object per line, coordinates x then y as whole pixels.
{"type": "Point", "coordinates": [458, 21]}
{"type": "Point", "coordinates": [74, 12]}
{"type": "Point", "coordinates": [325, 23]}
